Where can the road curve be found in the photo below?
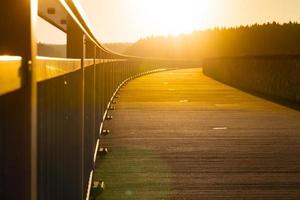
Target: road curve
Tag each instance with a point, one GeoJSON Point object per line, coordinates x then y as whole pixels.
{"type": "Point", "coordinates": [181, 135]}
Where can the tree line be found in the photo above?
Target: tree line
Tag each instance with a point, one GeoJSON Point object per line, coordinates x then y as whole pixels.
{"type": "Point", "coordinates": [257, 39]}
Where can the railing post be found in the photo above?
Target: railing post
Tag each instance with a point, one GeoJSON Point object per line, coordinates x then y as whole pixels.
{"type": "Point", "coordinates": [89, 112]}
{"type": "Point", "coordinates": [76, 49]}
{"type": "Point", "coordinates": [17, 38]}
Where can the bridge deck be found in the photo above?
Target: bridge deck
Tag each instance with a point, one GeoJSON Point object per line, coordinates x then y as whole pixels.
{"type": "Point", "coordinates": [181, 135]}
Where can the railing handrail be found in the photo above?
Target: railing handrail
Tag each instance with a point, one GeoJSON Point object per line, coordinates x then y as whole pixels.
{"type": "Point", "coordinates": [261, 56]}
{"type": "Point", "coordinates": [10, 73]}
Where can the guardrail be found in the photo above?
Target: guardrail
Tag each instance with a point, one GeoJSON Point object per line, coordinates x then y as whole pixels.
{"type": "Point", "coordinates": [274, 77]}
{"type": "Point", "coordinates": [71, 110]}
{"type": "Point", "coordinates": [73, 97]}
{"type": "Point", "coordinates": [52, 110]}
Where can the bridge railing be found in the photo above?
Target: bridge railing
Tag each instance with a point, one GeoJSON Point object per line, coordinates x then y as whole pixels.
{"type": "Point", "coordinates": [71, 106]}
{"type": "Point", "coordinates": [52, 109]}
{"type": "Point", "coordinates": [274, 77]}
{"type": "Point", "coordinates": [71, 110]}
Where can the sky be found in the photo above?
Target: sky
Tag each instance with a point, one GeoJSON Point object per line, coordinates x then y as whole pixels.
{"type": "Point", "coordinates": [130, 20]}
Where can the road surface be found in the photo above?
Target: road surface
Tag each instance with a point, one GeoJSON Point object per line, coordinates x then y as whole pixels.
{"type": "Point", "coordinates": [181, 135]}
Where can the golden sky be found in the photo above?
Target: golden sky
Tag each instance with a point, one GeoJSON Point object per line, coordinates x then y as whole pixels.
{"type": "Point", "coordinates": [129, 20]}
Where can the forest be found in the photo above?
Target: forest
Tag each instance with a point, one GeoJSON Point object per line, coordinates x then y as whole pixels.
{"type": "Point", "coordinates": [258, 39]}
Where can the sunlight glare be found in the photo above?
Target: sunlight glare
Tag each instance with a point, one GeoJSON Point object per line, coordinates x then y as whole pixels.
{"type": "Point", "coordinates": [175, 17]}
{"type": "Point", "coordinates": [10, 58]}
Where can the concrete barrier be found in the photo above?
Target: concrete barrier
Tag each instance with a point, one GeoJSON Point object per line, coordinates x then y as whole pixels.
{"type": "Point", "coordinates": [275, 76]}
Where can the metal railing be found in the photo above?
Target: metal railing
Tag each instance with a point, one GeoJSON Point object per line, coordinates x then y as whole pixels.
{"type": "Point", "coordinates": [71, 110]}
{"type": "Point", "coordinates": [51, 109]}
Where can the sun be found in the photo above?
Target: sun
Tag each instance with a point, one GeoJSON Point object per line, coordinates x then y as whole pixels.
{"type": "Point", "coordinates": [173, 17]}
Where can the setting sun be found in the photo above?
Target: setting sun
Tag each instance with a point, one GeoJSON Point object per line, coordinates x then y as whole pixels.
{"type": "Point", "coordinates": [173, 17]}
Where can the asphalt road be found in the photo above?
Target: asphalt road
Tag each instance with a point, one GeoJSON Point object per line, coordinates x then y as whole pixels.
{"type": "Point", "coordinates": [181, 135]}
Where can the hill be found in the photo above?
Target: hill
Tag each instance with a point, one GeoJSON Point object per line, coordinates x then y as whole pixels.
{"type": "Point", "coordinates": [52, 50]}
{"type": "Point", "coordinates": [57, 50]}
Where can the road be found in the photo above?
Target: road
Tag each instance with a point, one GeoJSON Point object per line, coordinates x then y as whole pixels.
{"type": "Point", "coordinates": [181, 135]}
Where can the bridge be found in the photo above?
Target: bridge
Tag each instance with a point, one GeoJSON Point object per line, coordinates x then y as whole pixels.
{"type": "Point", "coordinates": [146, 128]}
